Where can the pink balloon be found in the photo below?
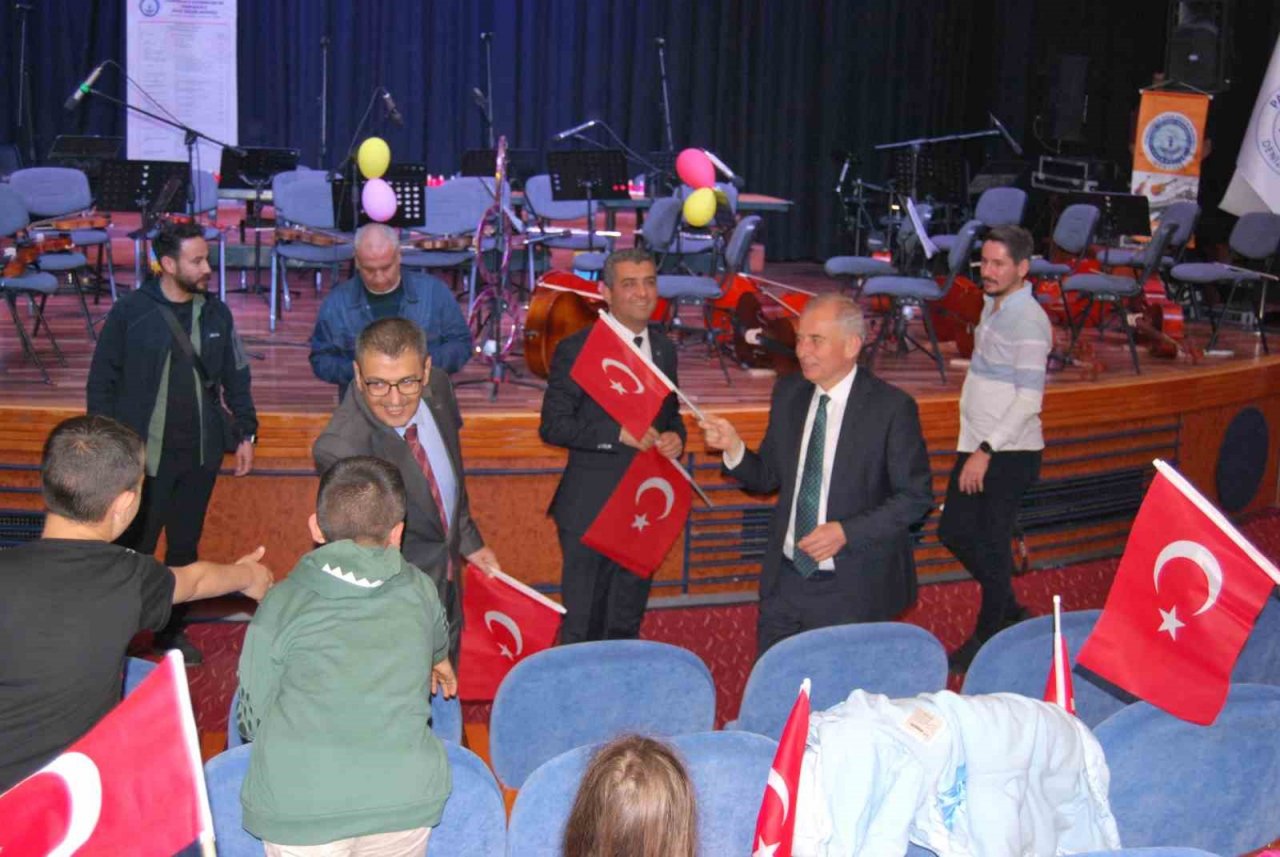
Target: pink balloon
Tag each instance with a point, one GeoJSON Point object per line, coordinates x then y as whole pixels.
{"type": "Point", "coordinates": [379, 200]}
{"type": "Point", "coordinates": [695, 168]}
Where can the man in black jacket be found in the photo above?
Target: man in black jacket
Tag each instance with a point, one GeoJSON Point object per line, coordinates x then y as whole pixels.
{"type": "Point", "coordinates": [173, 395]}
{"type": "Point", "coordinates": [603, 600]}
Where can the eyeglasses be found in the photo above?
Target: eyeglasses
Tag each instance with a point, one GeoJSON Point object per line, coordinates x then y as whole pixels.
{"type": "Point", "coordinates": [379, 388]}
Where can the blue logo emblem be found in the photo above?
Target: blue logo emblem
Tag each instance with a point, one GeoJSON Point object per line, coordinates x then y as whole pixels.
{"type": "Point", "coordinates": [1268, 132]}
{"type": "Point", "coordinates": [149, 8]}
{"type": "Point", "coordinates": [1170, 141]}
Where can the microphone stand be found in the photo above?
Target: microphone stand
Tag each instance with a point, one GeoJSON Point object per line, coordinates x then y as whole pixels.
{"type": "Point", "coordinates": [24, 124]}
{"type": "Point", "coordinates": [920, 142]}
{"type": "Point", "coordinates": [324, 98]}
{"type": "Point", "coordinates": [666, 97]}
{"type": "Point", "coordinates": [349, 162]}
{"type": "Point", "coordinates": [487, 38]}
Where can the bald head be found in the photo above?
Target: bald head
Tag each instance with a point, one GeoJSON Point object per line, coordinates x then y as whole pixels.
{"type": "Point", "coordinates": [378, 257]}
{"type": "Point", "coordinates": [374, 235]}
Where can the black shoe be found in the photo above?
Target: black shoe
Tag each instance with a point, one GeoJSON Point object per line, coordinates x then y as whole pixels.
{"type": "Point", "coordinates": [1022, 614]}
{"type": "Point", "coordinates": [192, 655]}
{"type": "Point", "coordinates": [959, 660]}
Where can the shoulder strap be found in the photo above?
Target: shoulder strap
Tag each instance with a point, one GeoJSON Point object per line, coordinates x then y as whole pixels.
{"type": "Point", "coordinates": [183, 341]}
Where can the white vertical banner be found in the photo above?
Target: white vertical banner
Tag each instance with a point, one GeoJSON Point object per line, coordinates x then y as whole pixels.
{"type": "Point", "coordinates": [183, 53]}
{"type": "Point", "coordinates": [1255, 186]}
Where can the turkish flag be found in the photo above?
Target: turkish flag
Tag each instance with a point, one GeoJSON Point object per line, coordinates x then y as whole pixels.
{"type": "Point", "coordinates": [643, 516]}
{"type": "Point", "coordinates": [776, 823]}
{"type": "Point", "coordinates": [132, 785]}
{"type": "Point", "coordinates": [616, 375]}
{"type": "Point", "coordinates": [504, 621]}
{"type": "Point", "coordinates": [1183, 602]}
{"type": "Point", "coordinates": [1058, 687]}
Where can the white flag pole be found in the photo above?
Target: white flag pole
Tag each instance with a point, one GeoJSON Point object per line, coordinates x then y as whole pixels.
{"type": "Point", "coordinates": [527, 590]}
{"type": "Point", "coordinates": [1059, 668]}
{"type": "Point", "coordinates": [626, 337]}
{"type": "Point", "coordinates": [689, 478]}
{"type": "Point", "coordinates": [1211, 512]}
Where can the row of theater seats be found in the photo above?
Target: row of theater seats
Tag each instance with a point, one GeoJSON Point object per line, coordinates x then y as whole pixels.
{"type": "Point", "coordinates": [1171, 782]}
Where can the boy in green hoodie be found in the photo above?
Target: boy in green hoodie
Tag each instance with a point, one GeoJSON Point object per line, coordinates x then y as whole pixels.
{"type": "Point", "coordinates": [335, 681]}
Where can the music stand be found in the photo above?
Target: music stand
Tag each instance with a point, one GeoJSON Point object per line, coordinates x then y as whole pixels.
{"type": "Point", "coordinates": [662, 180]}
{"type": "Point", "coordinates": [134, 186]}
{"type": "Point", "coordinates": [1122, 213]}
{"type": "Point", "coordinates": [601, 173]}
{"type": "Point", "coordinates": [255, 166]}
{"type": "Point", "coordinates": [521, 164]}
{"type": "Point", "coordinates": [409, 181]}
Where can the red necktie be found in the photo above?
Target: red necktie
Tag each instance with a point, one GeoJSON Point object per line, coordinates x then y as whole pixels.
{"type": "Point", "coordinates": [420, 456]}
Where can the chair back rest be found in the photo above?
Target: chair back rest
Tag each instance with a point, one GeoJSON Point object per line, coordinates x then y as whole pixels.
{"type": "Point", "coordinates": [1075, 227]}
{"type": "Point", "coordinates": [661, 223]}
{"type": "Point", "coordinates": [1001, 206]}
{"type": "Point", "coordinates": [893, 658]}
{"type": "Point", "coordinates": [475, 817]}
{"type": "Point", "coordinates": [135, 670]}
{"type": "Point", "coordinates": [1017, 660]}
{"type": "Point", "coordinates": [729, 770]}
{"type": "Point", "coordinates": [13, 211]}
{"type": "Point", "coordinates": [1184, 216]}
{"type": "Point", "coordinates": [1259, 661]}
{"type": "Point", "coordinates": [1153, 253]}
{"type": "Point", "coordinates": [961, 251]}
{"type": "Point", "coordinates": [729, 190]}
{"type": "Point", "coordinates": [455, 207]}
{"type": "Point", "coordinates": [52, 191]}
{"type": "Point", "coordinates": [1255, 236]}
{"type": "Point", "coordinates": [1210, 787]}
{"type": "Point", "coordinates": [223, 776]}
{"type": "Point", "coordinates": [541, 811]}
{"type": "Point", "coordinates": [206, 191]}
{"type": "Point", "coordinates": [303, 197]}
{"type": "Point", "coordinates": [586, 693]}
{"type": "Point", "coordinates": [542, 204]}
{"type": "Point", "coordinates": [737, 254]}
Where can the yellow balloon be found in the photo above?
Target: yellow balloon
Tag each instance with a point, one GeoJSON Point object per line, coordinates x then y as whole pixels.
{"type": "Point", "coordinates": [700, 207]}
{"type": "Point", "coordinates": [374, 156]}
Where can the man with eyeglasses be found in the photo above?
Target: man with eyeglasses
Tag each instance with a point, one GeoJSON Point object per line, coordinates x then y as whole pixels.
{"type": "Point", "coordinates": [404, 413]}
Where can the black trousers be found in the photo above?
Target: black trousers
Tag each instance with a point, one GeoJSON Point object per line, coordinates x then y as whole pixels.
{"type": "Point", "coordinates": [602, 600]}
{"type": "Point", "coordinates": [801, 604]}
{"type": "Point", "coordinates": [175, 501]}
{"type": "Point", "coordinates": [978, 529]}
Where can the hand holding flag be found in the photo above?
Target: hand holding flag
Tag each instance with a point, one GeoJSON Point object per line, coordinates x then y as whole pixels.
{"type": "Point", "coordinates": [504, 622]}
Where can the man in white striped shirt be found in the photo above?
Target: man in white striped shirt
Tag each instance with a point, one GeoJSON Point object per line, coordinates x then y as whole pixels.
{"type": "Point", "coordinates": [1000, 437]}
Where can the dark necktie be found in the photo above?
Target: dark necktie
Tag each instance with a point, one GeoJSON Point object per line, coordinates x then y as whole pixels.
{"type": "Point", "coordinates": [811, 488]}
{"type": "Point", "coordinates": [639, 341]}
{"type": "Point", "coordinates": [424, 464]}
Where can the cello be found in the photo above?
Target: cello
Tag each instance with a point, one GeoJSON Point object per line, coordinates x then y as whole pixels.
{"type": "Point", "coordinates": [561, 304]}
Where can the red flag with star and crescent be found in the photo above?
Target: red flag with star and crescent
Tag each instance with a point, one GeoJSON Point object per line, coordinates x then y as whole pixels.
{"type": "Point", "coordinates": [776, 823]}
{"type": "Point", "coordinates": [618, 377]}
{"type": "Point", "coordinates": [504, 622]}
{"type": "Point", "coordinates": [1184, 600]}
{"type": "Point", "coordinates": [644, 516]}
{"type": "Point", "coordinates": [132, 785]}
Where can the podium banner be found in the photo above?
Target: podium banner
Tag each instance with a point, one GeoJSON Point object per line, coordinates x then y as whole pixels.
{"type": "Point", "coordinates": [1169, 147]}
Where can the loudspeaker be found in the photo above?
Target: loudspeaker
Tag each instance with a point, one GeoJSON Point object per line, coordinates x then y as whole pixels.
{"type": "Point", "coordinates": [1199, 35]}
{"type": "Point", "coordinates": [1069, 97]}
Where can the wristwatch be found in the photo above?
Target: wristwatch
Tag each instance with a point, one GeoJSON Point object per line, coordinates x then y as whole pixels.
{"type": "Point", "coordinates": [986, 447]}
{"type": "Point", "coordinates": [252, 438]}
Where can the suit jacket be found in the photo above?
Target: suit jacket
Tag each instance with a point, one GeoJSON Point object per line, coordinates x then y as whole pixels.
{"type": "Point", "coordinates": [572, 419]}
{"type": "Point", "coordinates": [880, 487]}
{"type": "Point", "coordinates": [354, 430]}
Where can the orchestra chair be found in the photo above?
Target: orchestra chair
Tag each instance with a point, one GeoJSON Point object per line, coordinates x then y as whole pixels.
{"type": "Point", "coordinates": [455, 208]}
{"type": "Point", "coordinates": [699, 290]}
{"type": "Point", "coordinates": [1210, 787]}
{"type": "Point", "coordinates": [446, 719]}
{"type": "Point", "coordinates": [585, 693]}
{"type": "Point", "coordinates": [857, 269]}
{"type": "Point", "coordinates": [1183, 215]}
{"type": "Point", "coordinates": [58, 191]}
{"type": "Point", "coordinates": [728, 771]}
{"type": "Point", "coordinates": [1116, 290]}
{"type": "Point", "coordinates": [135, 670]}
{"type": "Point", "coordinates": [32, 284]}
{"type": "Point", "coordinates": [920, 292]}
{"type": "Point", "coordinates": [894, 658]}
{"type": "Point", "coordinates": [1255, 240]}
{"type": "Point", "coordinates": [696, 244]}
{"type": "Point", "coordinates": [997, 206]}
{"type": "Point", "coordinates": [206, 202]}
{"type": "Point", "coordinates": [1073, 235]}
{"type": "Point", "coordinates": [1018, 660]}
{"type": "Point", "coordinates": [303, 198]}
{"type": "Point", "coordinates": [547, 212]}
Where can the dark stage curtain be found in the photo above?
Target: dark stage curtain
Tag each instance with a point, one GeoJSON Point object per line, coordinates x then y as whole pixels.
{"type": "Point", "coordinates": [773, 86]}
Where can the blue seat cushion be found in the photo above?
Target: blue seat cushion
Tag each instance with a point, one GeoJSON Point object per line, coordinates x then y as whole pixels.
{"type": "Point", "coordinates": [31, 281]}
{"type": "Point", "coordinates": [1102, 284]}
{"type": "Point", "coordinates": [1207, 272]}
{"type": "Point", "coordinates": [672, 286]}
{"type": "Point", "coordinates": [1114, 257]}
{"type": "Point", "coordinates": [593, 262]}
{"type": "Point", "coordinates": [904, 287]}
{"type": "Point", "coordinates": [1045, 268]}
{"type": "Point", "coordinates": [89, 237]}
{"type": "Point", "coordinates": [315, 254]}
{"type": "Point", "coordinates": [692, 244]}
{"type": "Point", "coordinates": [61, 261]}
{"type": "Point", "coordinates": [857, 266]}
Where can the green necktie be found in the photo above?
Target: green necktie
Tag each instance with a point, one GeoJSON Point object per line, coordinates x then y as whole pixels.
{"type": "Point", "coordinates": [811, 487]}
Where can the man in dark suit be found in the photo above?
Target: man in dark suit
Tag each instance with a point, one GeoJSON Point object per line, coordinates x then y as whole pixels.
{"type": "Point", "coordinates": [844, 451]}
{"type": "Point", "coordinates": [603, 600]}
{"type": "Point", "coordinates": [404, 413]}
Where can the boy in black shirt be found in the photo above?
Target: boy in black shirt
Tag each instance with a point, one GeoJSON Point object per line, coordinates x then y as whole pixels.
{"type": "Point", "coordinates": [70, 602]}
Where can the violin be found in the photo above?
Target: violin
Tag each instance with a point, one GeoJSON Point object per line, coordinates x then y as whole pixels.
{"type": "Point", "coordinates": [441, 243]}
{"type": "Point", "coordinates": [29, 252]}
{"type": "Point", "coordinates": [309, 236]}
{"type": "Point", "coordinates": [86, 220]}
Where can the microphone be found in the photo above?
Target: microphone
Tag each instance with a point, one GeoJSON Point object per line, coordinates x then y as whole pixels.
{"type": "Point", "coordinates": [736, 180]}
{"type": "Point", "coordinates": [484, 37]}
{"type": "Point", "coordinates": [478, 97]}
{"type": "Point", "coordinates": [575, 130]}
{"type": "Point", "coordinates": [660, 42]}
{"type": "Point", "coordinates": [1004, 132]}
{"type": "Point", "coordinates": [392, 113]}
{"type": "Point", "coordinates": [83, 89]}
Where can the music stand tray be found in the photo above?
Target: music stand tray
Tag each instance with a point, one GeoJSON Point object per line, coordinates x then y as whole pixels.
{"type": "Point", "coordinates": [257, 166]}
{"type": "Point", "coordinates": [132, 185]}
{"type": "Point", "coordinates": [521, 164]}
{"type": "Point", "coordinates": [588, 174]}
{"type": "Point", "coordinates": [1122, 213]}
{"type": "Point", "coordinates": [84, 147]}
{"type": "Point", "coordinates": [409, 181]}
